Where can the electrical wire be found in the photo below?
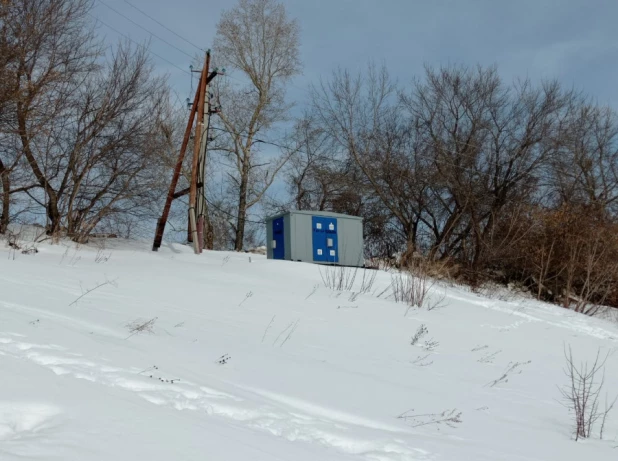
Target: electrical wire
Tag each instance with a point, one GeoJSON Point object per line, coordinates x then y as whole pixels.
{"type": "Point", "coordinates": [143, 28]}
{"type": "Point", "coordinates": [256, 140]}
{"type": "Point", "coordinates": [139, 44]}
{"type": "Point", "coordinates": [304, 90]}
{"type": "Point", "coordinates": [163, 25]}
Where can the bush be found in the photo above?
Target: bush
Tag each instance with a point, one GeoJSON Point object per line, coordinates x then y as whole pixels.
{"type": "Point", "coordinates": [582, 395]}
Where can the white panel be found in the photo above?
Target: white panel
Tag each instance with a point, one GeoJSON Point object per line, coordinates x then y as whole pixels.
{"type": "Point", "coordinates": [318, 225]}
{"type": "Point", "coordinates": [274, 244]}
{"type": "Point", "coordinates": [329, 242]}
{"type": "Point", "coordinates": [319, 252]}
{"type": "Point", "coordinates": [332, 252]}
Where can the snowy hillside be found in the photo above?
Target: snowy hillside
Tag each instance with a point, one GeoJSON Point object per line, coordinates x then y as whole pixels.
{"type": "Point", "coordinates": [244, 359]}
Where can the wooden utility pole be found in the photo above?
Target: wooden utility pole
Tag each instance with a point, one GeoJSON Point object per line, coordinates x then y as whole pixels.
{"type": "Point", "coordinates": [201, 206]}
{"type": "Point", "coordinates": [197, 147]}
{"type": "Point", "coordinates": [197, 166]}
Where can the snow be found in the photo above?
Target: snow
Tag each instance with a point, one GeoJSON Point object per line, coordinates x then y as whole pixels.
{"type": "Point", "coordinates": [308, 374]}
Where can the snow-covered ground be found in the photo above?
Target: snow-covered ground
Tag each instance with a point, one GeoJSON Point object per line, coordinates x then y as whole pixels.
{"type": "Point", "coordinates": [308, 374]}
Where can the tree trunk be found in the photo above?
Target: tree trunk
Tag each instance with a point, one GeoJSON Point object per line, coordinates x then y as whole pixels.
{"type": "Point", "coordinates": [53, 213]}
{"type": "Point", "coordinates": [407, 258]}
{"type": "Point", "coordinates": [242, 208]}
{"type": "Point", "coordinates": [6, 190]}
{"type": "Point", "coordinates": [446, 233]}
{"type": "Point", "coordinates": [209, 233]}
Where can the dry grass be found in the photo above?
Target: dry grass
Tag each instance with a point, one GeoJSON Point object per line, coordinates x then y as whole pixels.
{"type": "Point", "coordinates": [141, 326]}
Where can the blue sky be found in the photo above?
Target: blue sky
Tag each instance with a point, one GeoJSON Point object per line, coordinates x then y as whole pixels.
{"type": "Point", "coordinates": [575, 41]}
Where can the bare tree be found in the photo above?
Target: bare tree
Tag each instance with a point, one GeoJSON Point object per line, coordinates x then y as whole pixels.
{"type": "Point", "coordinates": [12, 179]}
{"type": "Point", "coordinates": [452, 160]}
{"type": "Point", "coordinates": [488, 144]}
{"type": "Point", "coordinates": [585, 169]}
{"type": "Point", "coordinates": [57, 51]}
{"type": "Point", "coordinates": [112, 144]}
{"type": "Point", "coordinates": [320, 176]}
{"type": "Point", "coordinates": [87, 124]}
{"type": "Point", "coordinates": [582, 395]}
{"type": "Point", "coordinates": [257, 38]}
{"type": "Point", "coordinates": [363, 119]}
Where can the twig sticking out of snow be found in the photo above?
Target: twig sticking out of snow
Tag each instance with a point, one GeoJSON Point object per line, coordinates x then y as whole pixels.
{"type": "Point", "coordinates": [512, 368]}
{"type": "Point", "coordinates": [154, 367]}
{"type": "Point", "coordinates": [338, 278]}
{"type": "Point", "coordinates": [448, 417]}
{"type": "Point", "coordinates": [268, 327]}
{"type": "Point", "coordinates": [315, 288]}
{"type": "Point", "coordinates": [430, 345]}
{"type": "Point", "coordinates": [489, 358]}
{"type": "Point", "coordinates": [291, 326]}
{"type": "Point", "coordinates": [247, 296]}
{"type": "Point", "coordinates": [73, 260]}
{"type": "Point", "coordinates": [107, 282]}
{"type": "Point", "coordinates": [289, 334]}
{"type": "Point", "coordinates": [385, 291]}
{"type": "Point", "coordinates": [223, 359]}
{"type": "Point", "coordinates": [369, 278]}
{"type": "Point", "coordinates": [420, 361]}
{"type": "Point", "coordinates": [422, 331]}
{"type": "Point", "coordinates": [102, 256]}
{"type": "Point", "coordinates": [139, 326]}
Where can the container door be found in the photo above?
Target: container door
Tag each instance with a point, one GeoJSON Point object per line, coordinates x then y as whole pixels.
{"type": "Point", "coordinates": [324, 233]}
{"type": "Point", "coordinates": [278, 240]}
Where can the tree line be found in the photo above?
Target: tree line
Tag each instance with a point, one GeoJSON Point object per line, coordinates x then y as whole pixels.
{"type": "Point", "coordinates": [484, 179]}
{"type": "Point", "coordinates": [487, 180]}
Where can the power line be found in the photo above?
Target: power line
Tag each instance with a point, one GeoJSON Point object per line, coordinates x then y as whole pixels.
{"type": "Point", "coordinates": [163, 25]}
{"type": "Point", "coordinates": [139, 44]}
{"type": "Point", "coordinates": [143, 28]}
{"type": "Point", "coordinates": [256, 140]}
{"type": "Point", "coordinates": [305, 90]}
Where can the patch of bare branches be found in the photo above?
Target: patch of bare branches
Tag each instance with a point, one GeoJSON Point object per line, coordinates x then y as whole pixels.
{"type": "Point", "coordinates": [420, 333]}
{"type": "Point", "coordinates": [94, 288]}
{"type": "Point", "coordinates": [450, 418]}
{"type": "Point", "coordinates": [582, 395]}
{"type": "Point", "coordinates": [412, 286]}
{"type": "Point", "coordinates": [338, 278]}
{"type": "Point", "coordinates": [141, 326]}
{"type": "Point", "coordinates": [513, 368]}
{"type": "Point", "coordinates": [81, 126]}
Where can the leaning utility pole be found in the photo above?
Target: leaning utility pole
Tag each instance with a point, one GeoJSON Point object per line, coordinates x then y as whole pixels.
{"type": "Point", "coordinates": [198, 165]}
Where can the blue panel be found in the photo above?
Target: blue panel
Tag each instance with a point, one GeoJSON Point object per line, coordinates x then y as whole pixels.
{"type": "Point", "coordinates": [324, 233]}
{"type": "Point", "coordinates": [279, 249]}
